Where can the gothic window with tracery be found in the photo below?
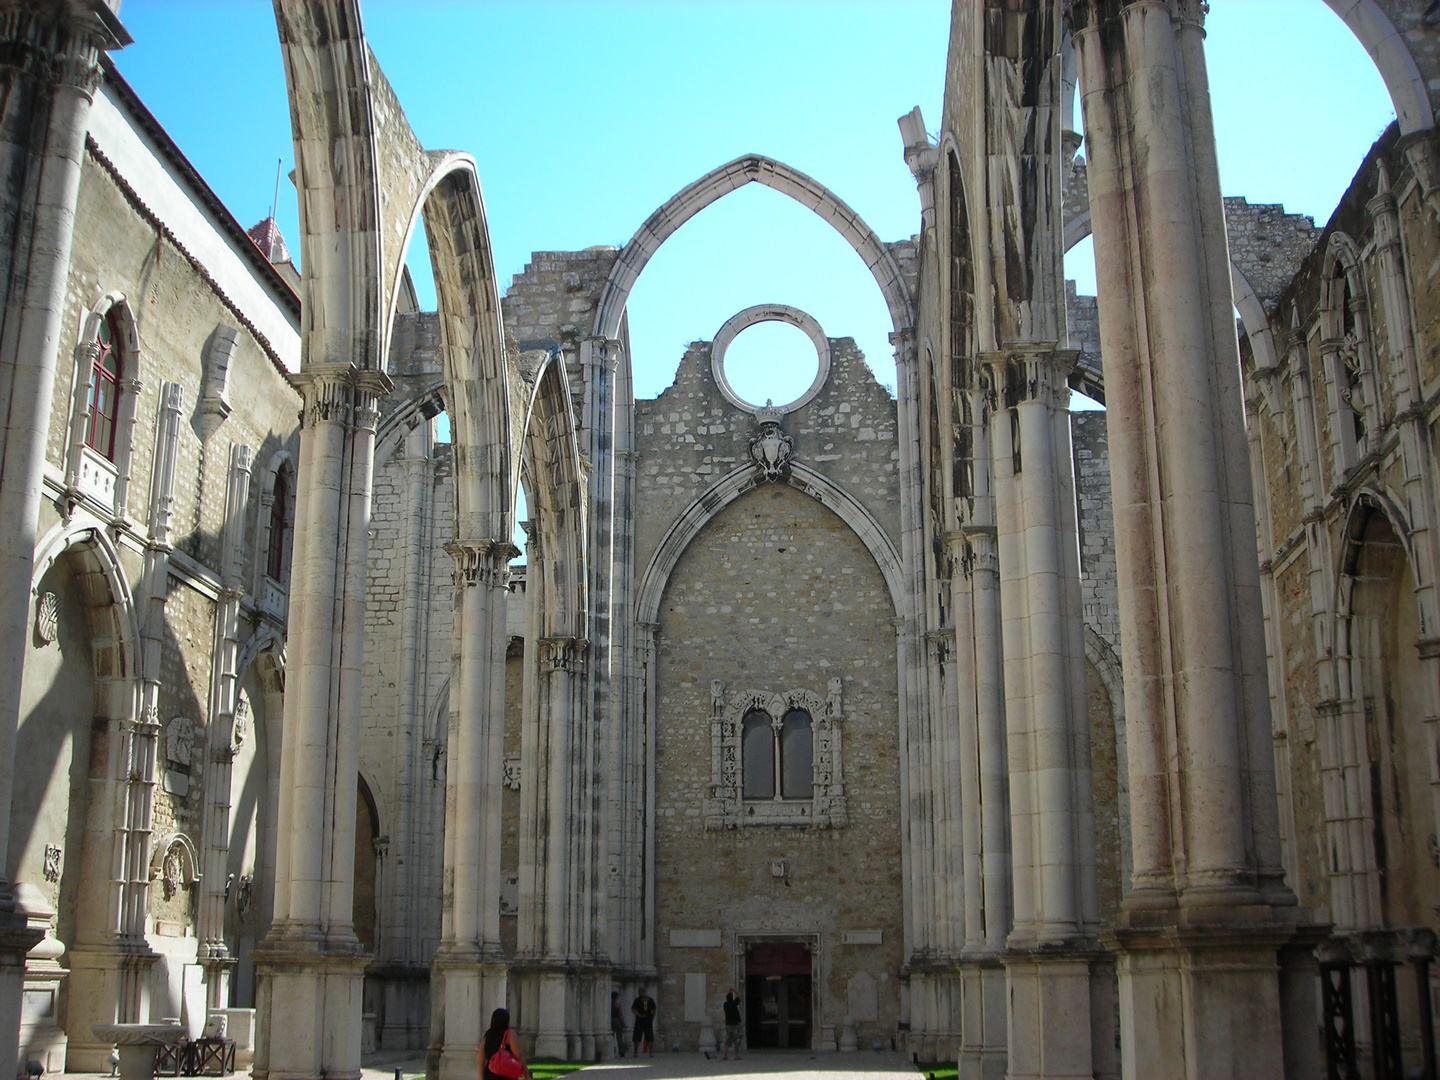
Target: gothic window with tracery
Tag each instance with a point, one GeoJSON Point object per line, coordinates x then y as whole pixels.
{"type": "Point", "coordinates": [776, 759]}
{"type": "Point", "coordinates": [105, 378]}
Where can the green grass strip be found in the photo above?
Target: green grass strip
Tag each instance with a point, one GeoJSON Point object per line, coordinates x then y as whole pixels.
{"type": "Point", "coordinates": [550, 1068]}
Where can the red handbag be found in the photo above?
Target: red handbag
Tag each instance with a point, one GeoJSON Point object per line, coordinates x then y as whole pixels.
{"type": "Point", "coordinates": [504, 1063]}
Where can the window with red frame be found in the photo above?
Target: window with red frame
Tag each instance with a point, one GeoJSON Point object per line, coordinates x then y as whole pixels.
{"type": "Point", "coordinates": [277, 561]}
{"type": "Point", "coordinates": [105, 389]}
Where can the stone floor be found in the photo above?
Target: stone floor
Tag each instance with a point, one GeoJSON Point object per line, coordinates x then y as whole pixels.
{"type": "Point", "coordinates": [775, 1065]}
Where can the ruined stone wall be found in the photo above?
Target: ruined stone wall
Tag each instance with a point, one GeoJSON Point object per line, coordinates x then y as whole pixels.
{"type": "Point", "coordinates": [690, 436]}
{"type": "Point", "coordinates": [1337, 721]}
{"type": "Point", "coordinates": [1098, 584]}
{"type": "Point", "coordinates": [777, 594]}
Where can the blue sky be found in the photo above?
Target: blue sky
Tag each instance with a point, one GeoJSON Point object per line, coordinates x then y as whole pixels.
{"type": "Point", "coordinates": [586, 116]}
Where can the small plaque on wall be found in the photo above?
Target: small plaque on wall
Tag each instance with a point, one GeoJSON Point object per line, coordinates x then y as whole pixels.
{"type": "Point", "coordinates": [860, 937]}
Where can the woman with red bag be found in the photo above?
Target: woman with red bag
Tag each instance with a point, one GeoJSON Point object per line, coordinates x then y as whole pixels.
{"type": "Point", "coordinates": [500, 1056]}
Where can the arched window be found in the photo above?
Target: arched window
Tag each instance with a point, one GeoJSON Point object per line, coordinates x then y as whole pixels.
{"type": "Point", "coordinates": [797, 756]}
{"type": "Point", "coordinates": [757, 751]}
{"type": "Point", "coordinates": [104, 389]}
{"type": "Point", "coordinates": [282, 515]}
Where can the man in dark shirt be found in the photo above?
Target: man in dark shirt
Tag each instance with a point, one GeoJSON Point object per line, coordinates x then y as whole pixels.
{"type": "Point", "coordinates": [644, 1009]}
{"type": "Point", "coordinates": [732, 1024]}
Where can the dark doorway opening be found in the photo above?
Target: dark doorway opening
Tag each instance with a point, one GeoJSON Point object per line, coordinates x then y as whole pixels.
{"type": "Point", "coordinates": [777, 995]}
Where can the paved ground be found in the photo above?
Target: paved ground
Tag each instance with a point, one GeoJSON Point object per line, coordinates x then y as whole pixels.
{"type": "Point", "coordinates": [791, 1065]}
{"type": "Point", "coordinates": [794, 1065]}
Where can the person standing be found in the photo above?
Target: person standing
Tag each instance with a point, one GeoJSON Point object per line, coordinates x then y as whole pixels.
{"type": "Point", "coordinates": [644, 1009]}
{"type": "Point", "coordinates": [732, 1024]}
{"type": "Point", "coordinates": [617, 1023]}
{"type": "Point", "coordinates": [509, 1065]}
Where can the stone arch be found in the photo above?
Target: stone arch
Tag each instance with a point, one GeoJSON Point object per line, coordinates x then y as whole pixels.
{"type": "Point", "coordinates": [714, 185]}
{"type": "Point", "coordinates": [730, 487]}
{"type": "Point", "coordinates": [1368, 501]}
{"type": "Point", "coordinates": [1392, 58]}
{"type": "Point", "coordinates": [399, 422]}
{"type": "Point", "coordinates": [1386, 692]}
{"type": "Point", "coordinates": [114, 621]}
{"type": "Point", "coordinates": [557, 578]}
{"type": "Point", "coordinates": [475, 388]}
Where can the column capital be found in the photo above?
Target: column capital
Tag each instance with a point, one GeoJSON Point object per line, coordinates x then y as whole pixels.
{"type": "Point", "coordinates": [482, 561]}
{"type": "Point", "coordinates": [566, 654]}
{"type": "Point", "coordinates": [1031, 371]}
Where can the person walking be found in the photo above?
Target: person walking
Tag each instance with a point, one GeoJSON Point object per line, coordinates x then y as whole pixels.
{"type": "Point", "coordinates": [500, 1056]}
{"type": "Point", "coordinates": [644, 1009]}
{"type": "Point", "coordinates": [617, 1023]}
{"type": "Point", "coordinates": [732, 1024]}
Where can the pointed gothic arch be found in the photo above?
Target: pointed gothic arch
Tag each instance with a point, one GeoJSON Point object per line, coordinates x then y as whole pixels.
{"type": "Point", "coordinates": [715, 185]}
{"type": "Point", "coordinates": [730, 487]}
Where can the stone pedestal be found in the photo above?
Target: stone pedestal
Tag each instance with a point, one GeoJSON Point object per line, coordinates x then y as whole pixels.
{"type": "Point", "coordinates": [983, 1053]}
{"type": "Point", "coordinates": [1181, 994]}
{"type": "Point", "coordinates": [1051, 1007]}
{"type": "Point", "coordinates": [311, 1000]}
{"type": "Point", "coordinates": [138, 1045]}
{"type": "Point", "coordinates": [468, 989]}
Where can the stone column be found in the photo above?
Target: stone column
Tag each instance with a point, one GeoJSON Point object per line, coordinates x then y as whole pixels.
{"type": "Point", "coordinates": [214, 953]}
{"type": "Point", "coordinates": [1207, 910]}
{"type": "Point", "coordinates": [49, 77]}
{"type": "Point", "coordinates": [470, 965]}
{"type": "Point", "coordinates": [1052, 944]}
{"type": "Point", "coordinates": [310, 964]}
{"type": "Point", "coordinates": [982, 1051]}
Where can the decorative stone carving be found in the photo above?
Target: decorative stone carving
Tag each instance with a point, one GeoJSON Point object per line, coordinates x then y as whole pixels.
{"type": "Point", "coordinates": [512, 771]}
{"type": "Point", "coordinates": [174, 865]}
{"type": "Point", "coordinates": [179, 749]}
{"type": "Point", "coordinates": [47, 617]}
{"type": "Point", "coordinates": [52, 862]}
{"type": "Point", "coordinates": [563, 654]}
{"type": "Point", "coordinates": [241, 727]}
{"type": "Point", "coordinates": [770, 448]}
{"type": "Point", "coordinates": [244, 896]}
{"type": "Point", "coordinates": [726, 808]}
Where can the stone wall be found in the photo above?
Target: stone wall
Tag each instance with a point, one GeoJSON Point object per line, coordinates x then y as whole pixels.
{"type": "Point", "coordinates": [777, 594]}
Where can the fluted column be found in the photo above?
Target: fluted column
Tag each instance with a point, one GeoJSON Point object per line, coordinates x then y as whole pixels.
{"type": "Point", "coordinates": [1207, 910]}
{"type": "Point", "coordinates": [470, 970]}
{"type": "Point", "coordinates": [310, 963]}
{"type": "Point", "coordinates": [49, 75]}
{"type": "Point", "coordinates": [214, 953]}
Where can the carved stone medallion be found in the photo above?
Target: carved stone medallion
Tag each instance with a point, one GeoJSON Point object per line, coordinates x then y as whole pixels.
{"type": "Point", "coordinates": [47, 617]}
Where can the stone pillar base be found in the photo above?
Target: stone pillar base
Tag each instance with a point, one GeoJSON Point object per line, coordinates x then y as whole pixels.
{"type": "Point", "coordinates": [957, 1011]}
{"type": "Point", "coordinates": [107, 984]}
{"type": "Point", "coordinates": [1051, 1011]}
{"type": "Point", "coordinates": [20, 931]}
{"type": "Point", "coordinates": [1200, 1001]}
{"type": "Point", "coordinates": [470, 989]}
{"type": "Point", "coordinates": [308, 1007]}
{"type": "Point", "coordinates": [564, 1008]}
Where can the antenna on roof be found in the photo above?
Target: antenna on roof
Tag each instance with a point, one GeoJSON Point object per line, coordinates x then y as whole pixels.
{"type": "Point", "coordinates": [276, 200]}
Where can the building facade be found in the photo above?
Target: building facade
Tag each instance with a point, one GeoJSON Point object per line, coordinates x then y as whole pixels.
{"type": "Point", "coordinates": [942, 717]}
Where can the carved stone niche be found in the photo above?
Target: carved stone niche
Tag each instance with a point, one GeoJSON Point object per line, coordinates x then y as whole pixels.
{"type": "Point", "coordinates": [727, 808]}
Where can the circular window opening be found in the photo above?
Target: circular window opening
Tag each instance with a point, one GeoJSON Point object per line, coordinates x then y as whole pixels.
{"type": "Point", "coordinates": [771, 361]}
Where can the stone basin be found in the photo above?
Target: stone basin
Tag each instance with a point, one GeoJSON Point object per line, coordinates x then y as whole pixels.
{"type": "Point", "coordinates": [138, 1044]}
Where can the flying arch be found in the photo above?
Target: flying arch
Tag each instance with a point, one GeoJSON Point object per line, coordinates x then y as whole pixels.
{"type": "Point", "coordinates": [715, 185]}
